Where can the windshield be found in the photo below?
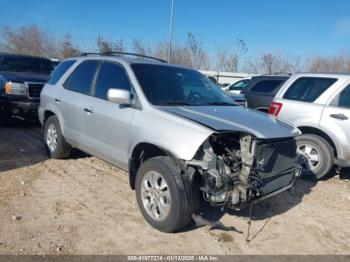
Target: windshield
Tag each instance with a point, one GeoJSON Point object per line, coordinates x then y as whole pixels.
{"type": "Point", "coordinates": [169, 85]}
{"type": "Point", "coordinates": [240, 85]}
{"type": "Point", "coordinates": [26, 64]}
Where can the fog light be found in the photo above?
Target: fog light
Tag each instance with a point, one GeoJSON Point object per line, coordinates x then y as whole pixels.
{"type": "Point", "coordinates": [16, 111]}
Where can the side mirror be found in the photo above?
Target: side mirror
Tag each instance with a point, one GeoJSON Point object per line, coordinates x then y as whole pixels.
{"type": "Point", "coordinates": [119, 96]}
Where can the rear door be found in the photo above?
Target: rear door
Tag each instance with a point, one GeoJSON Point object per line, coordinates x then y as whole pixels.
{"type": "Point", "coordinates": [108, 124]}
{"type": "Point", "coordinates": [261, 93]}
{"type": "Point", "coordinates": [298, 103]}
{"type": "Point", "coordinates": [77, 88]}
{"type": "Point", "coordinates": [336, 119]}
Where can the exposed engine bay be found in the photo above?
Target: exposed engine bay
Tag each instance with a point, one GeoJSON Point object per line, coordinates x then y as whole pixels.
{"type": "Point", "coordinates": [237, 168]}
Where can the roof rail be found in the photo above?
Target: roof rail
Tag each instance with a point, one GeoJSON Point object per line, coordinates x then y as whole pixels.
{"type": "Point", "coordinates": [123, 53]}
{"type": "Point", "coordinates": [88, 53]}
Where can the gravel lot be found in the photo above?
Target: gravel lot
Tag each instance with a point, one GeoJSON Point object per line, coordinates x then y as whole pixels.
{"type": "Point", "coordinates": [85, 206]}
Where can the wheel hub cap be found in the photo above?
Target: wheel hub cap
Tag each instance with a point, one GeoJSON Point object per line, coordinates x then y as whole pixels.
{"type": "Point", "coordinates": [155, 195]}
{"type": "Point", "coordinates": [311, 154]}
{"type": "Point", "coordinates": [51, 137]}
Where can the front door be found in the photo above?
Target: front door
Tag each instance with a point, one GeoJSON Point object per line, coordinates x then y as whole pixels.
{"type": "Point", "coordinates": [336, 118]}
{"type": "Point", "coordinates": [108, 124]}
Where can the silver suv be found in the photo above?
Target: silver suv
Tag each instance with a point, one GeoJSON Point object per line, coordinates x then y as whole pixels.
{"type": "Point", "coordinates": [177, 134]}
{"type": "Point", "coordinates": [319, 105]}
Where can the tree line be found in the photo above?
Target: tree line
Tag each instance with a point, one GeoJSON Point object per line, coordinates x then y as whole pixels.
{"type": "Point", "coordinates": [234, 57]}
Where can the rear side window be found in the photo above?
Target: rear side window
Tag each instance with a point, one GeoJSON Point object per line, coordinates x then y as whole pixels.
{"type": "Point", "coordinates": [344, 98]}
{"type": "Point", "coordinates": [81, 79]}
{"type": "Point", "coordinates": [59, 71]}
{"type": "Point", "coordinates": [266, 86]}
{"type": "Point", "coordinates": [308, 89]}
{"type": "Point", "coordinates": [111, 75]}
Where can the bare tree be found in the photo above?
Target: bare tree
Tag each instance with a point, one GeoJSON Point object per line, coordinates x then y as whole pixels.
{"type": "Point", "coordinates": [105, 46]}
{"type": "Point", "coordinates": [141, 48]}
{"type": "Point", "coordinates": [30, 40]}
{"type": "Point", "coordinates": [119, 46]}
{"type": "Point", "coordinates": [180, 53]}
{"type": "Point", "coordinates": [228, 59]}
{"type": "Point", "coordinates": [268, 63]}
{"type": "Point", "coordinates": [333, 64]}
{"type": "Point", "coordinates": [197, 53]}
{"type": "Point", "coordinates": [67, 47]}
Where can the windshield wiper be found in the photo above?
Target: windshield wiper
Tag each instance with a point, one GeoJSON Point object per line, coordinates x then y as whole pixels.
{"type": "Point", "coordinates": [174, 103]}
{"type": "Point", "coordinates": [220, 104]}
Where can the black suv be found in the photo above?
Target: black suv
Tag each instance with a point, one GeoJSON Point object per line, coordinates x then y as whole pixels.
{"type": "Point", "coordinates": [261, 90]}
{"type": "Point", "coordinates": [21, 80]}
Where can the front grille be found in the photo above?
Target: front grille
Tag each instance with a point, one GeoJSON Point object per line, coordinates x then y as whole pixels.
{"type": "Point", "coordinates": [34, 90]}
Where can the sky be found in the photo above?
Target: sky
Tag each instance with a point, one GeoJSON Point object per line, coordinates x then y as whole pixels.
{"type": "Point", "coordinates": [294, 27]}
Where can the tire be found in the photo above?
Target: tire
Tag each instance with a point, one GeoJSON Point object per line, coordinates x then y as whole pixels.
{"type": "Point", "coordinates": [179, 211]}
{"type": "Point", "coordinates": [321, 148]}
{"type": "Point", "coordinates": [61, 149]}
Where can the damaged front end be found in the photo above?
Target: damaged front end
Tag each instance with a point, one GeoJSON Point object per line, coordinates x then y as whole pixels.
{"type": "Point", "coordinates": [237, 168]}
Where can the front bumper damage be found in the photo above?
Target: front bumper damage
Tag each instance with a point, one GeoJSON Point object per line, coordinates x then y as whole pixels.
{"type": "Point", "coordinates": [236, 169]}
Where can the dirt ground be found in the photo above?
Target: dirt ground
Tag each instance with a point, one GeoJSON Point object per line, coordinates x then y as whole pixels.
{"type": "Point", "coordinates": [85, 206]}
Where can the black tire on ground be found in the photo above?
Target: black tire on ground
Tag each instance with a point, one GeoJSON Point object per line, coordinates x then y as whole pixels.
{"type": "Point", "coordinates": [180, 212]}
{"type": "Point", "coordinates": [326, 154]}
{"type": "Point", "coordinates": [63, 149]}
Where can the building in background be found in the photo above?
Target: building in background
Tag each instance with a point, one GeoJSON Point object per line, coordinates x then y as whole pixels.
{"type": "Point", "coordinates": [226, 78]}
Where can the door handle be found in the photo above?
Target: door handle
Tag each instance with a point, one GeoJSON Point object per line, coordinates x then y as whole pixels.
{"type": "Point", "coordinates": [57, 100]}
{"type": "Point", "coordinates": [339, 116]}
{"type": "Point", "coordinates": [88, 110]}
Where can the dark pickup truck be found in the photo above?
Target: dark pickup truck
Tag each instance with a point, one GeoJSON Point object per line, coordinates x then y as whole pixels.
{"type": "Point", "coordinates": [21, 80]}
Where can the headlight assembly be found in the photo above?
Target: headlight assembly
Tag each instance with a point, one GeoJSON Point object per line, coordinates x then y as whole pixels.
{"type": "Point", "coordinates": [15, 89]}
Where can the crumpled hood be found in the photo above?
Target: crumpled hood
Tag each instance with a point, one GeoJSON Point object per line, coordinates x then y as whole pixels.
{"type": "Point", "coordinates": [22, 77]}
{"type": "Point", "coordinates": [235, 118]}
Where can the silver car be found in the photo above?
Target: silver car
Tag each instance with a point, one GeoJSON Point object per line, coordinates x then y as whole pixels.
{"type": "Point", "coordinates": [319, 105]}
{"type": "Point", "coordinates": [177, 134]}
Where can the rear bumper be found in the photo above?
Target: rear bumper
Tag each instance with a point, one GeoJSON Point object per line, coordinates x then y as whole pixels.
{"type": "Point", "coordinates": [25, 109]}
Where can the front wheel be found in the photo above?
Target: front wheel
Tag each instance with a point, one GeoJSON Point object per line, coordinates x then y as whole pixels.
{"type": "Point", "coordinates": [56, 145]}
{"type": "Point", "coordinates": [317, 153]}
{"type": "Point", "coordinates": [161, 195]}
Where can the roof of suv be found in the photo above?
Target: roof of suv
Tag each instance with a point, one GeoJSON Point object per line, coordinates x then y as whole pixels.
{"type": "Point", "coordinates": [21, 56]}
{"type": "Point", "coordinates": [330, 75]}
{"type": "Point", "coordinates": [121, 56]}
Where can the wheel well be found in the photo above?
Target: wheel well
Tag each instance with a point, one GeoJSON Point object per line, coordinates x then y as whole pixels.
{"type": "Point", "coordinates": [315, 131]}
{"type": "Point", "coordinates": [47, 114]}
{"type": "Point", "coordinates": [141, 153]}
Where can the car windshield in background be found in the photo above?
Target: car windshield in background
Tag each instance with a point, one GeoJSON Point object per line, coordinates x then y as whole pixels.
{"type": "Point", "coordinates": [240, 85]}
{"type": "Point", "coordinates": [26, 64]}
{"type": "Point", "coordinates": [170, 85]}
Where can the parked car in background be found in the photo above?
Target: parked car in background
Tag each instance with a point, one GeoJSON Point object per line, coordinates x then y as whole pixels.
{"type": "Point", "coordinates": [21, 80]}
{"type": "Point", "coordinates": [319, 105]}
{"type": "Point", "coordinates": [177, 133]}
{"type": "Point", "coordinates": [261, 90]}
{"type": "Point", "coordinates": [238, 86]}
{"type": "Point", "coordinates": [239, 99]}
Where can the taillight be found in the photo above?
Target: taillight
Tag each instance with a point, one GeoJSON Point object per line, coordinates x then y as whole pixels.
{"type": "Point", "coordinates": [275, 108]}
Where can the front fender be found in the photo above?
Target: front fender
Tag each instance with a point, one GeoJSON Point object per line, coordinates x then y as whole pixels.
{"type": "Point", "coordinates": [179, 136]}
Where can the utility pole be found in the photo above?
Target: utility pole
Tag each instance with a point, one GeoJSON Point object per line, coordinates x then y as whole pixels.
{"type": "Point", "coordinates": [170, 29]}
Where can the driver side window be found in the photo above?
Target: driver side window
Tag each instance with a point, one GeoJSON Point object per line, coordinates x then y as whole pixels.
{"type": "Point", "coordinates": [110, 75]}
